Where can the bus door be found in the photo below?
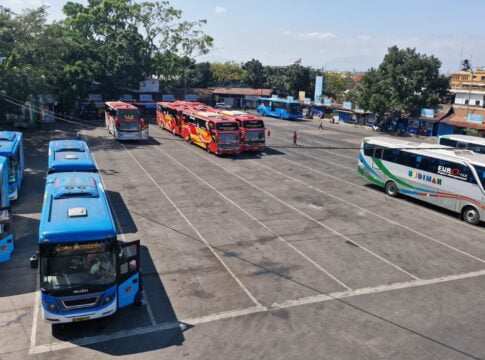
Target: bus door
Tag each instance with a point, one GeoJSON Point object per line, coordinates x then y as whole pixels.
{"type": "Point", "coordinates": [378, 152]}
{"type": "Point", "coordinates": [129, 281]}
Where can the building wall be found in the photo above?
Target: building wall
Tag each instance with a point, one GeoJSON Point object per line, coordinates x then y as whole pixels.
{"type": "Point", "coordinates": [459, 78]}
{"type": "Point", "coordinates": [462, 98]}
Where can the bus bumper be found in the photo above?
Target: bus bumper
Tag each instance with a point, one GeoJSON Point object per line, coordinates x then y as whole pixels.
{"type": "Point", "coordinates": [250, 147]}
{"type": "Point", "coordinates": [96, 313]}
{"type": "Point", "coordinates": [132, 135]}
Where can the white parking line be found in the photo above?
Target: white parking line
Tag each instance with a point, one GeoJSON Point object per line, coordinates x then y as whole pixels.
{"type": "Point", "coordinates": [164, 193]}
{"type": "Point", "coordinates": [346, 238]}
{"type": "Point", "coordinates": [184, 324]}
{"type": "Point", "coordinates": [299, 252]}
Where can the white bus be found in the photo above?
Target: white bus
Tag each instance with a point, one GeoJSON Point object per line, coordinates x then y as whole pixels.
{"type": "Point", "coordinates": [474, 143]}
{"type": "Point", "coordinates": [450, 178]}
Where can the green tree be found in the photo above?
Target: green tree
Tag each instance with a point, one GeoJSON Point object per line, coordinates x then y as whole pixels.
{"type": "Point", "coordinates": [336, 84]}
{"type": "Point", "coordinates": [228, 73]}
{"type": "Point", "coordinates": [404, 83]}
{"type": "Point", "coordinates": [253, 73]}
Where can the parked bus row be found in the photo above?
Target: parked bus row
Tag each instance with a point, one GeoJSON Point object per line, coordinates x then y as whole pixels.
{"type": "Point", "coordinates": [85, 271]}
{"type": "Point", "coordinates": [217, 131]}
{"type": "Point", "coordinates": [11, 177]}
{"type": "Point", "coordinates": [448, 177]}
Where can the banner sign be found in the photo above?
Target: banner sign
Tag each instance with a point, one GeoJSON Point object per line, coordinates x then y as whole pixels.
{"type": "Point", "coordinates": [318, 86]}
{"type": "Point", "coordinates": [347, 105]}
{"type": "Point", "coordinates": [427, 112]}
{"type": "Point", "coordinates": [168, 97]}
{"type": "Point", "coordinates": [474, 118]}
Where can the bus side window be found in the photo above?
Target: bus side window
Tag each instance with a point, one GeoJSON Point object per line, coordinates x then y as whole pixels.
{"type": "Point", "coordinates": [369, 149]}
{"type": "Point", "coordinates": [447, 142]}
{"type": "Point", "coordinates": [461, 145]}
{"type": "Point", "coordinates": [378, 153]}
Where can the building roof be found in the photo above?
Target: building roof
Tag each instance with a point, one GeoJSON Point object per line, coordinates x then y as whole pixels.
{"type": "Point", "coordinates": [459, 118]}
{"type": "Point", "coordinates": [243, 91]}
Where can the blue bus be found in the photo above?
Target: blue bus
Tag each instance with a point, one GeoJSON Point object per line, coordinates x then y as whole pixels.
{"type": "Point", "coordinates": [85, 272]}
{"type": "Point", "coordinates": [70, 155]}
{"type": "Point", "coordinates": [6, 235]}
{"type": "Point", "coordinates": [12, 147]}
{"type": "Point", "coordinates": [280, 108]}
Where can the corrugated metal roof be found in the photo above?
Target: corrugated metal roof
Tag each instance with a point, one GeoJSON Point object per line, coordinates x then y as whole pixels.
{"type": "Point", "coordinates": [243, 91]}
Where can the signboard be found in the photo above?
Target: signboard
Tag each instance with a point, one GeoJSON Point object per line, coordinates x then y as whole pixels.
{"type": "Point", "coordinates": [427, 113]}
{"type": "Point", "coordinates": [318, 86]}
{"type": "Point", "coordinates": [290, 98]}
{"type": "Point", "coordinates": [301, 96]}
{"type": "Point", "coordinates": [95, 97]}
{"type": "Point", "coordinates": [274, 96]}
{"type": "Point", "coordinates": [126, 97]}
{"type": "Point", "coordinates": [190, 97]}
{"type": "Point", "coordinates": [318, 100]}
{"type": "Point", "coordinates": [168, 97]}
{"type": "Point", "coordinates": [347, 105]}
{"type": "Point", "coordinates": [327, 101]}
{"type": "Point", "coordinates": [307, 100]}
{"type": "Point", "coordinates": [474, 118]}
{"type": "Point", "coordinates": [251, 97]}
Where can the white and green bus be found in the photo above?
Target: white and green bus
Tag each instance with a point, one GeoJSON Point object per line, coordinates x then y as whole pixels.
{"type": "Point", "coordinates": [447, 177]}
{"type": "Point", "coordinates": [473, 143]}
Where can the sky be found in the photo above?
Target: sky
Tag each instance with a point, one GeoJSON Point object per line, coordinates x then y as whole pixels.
{"type": "Point", "coordinates": [335, 35]}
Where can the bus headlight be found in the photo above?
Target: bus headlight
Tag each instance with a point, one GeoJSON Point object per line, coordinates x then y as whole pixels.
{"type": "Point", "coordinates": [50, 306]}
{"type": "Point", "coordinates": [108, 299]}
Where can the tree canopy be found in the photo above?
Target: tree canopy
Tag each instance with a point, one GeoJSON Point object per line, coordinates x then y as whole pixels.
{"type": "Point", "coordinates": [403, 84]}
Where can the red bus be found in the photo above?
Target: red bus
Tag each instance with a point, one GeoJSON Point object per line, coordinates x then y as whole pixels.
{"type": "Point", "coordinates": [211, 131]}
{"type": "Point", "coordinates": [252, 130]}
{"type": "Point", "coordinates": [169, 116]}
{"type": "Point", "coordinates": [125, 122]}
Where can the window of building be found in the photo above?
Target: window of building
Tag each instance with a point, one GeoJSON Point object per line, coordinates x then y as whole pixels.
{"type": "Point", "coordinates": [466, 102]}
{"type": "Point", "coordinates": [477, 102]}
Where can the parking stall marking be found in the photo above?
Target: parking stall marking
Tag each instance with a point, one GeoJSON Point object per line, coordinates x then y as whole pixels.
{"type": "Point", "coordinates": [403, 201]}
{"type": "Point", "coordinates": [211, 249]}
{"type": "Point", "coordinates": [183, 324]}
{"type": "Point", "coordinates": [346, 238]}
{"type": "Point", "coordinates": [319, 267]}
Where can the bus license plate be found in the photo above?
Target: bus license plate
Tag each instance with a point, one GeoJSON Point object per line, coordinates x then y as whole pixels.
{"type": "Point", "coordinates": [83, 318]}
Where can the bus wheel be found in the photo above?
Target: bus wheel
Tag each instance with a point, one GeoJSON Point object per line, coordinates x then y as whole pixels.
{"type": "Point", "coordinates": [471, 215]}
{"type": "Point", "coordinates": [391, 189]}
{"type": "Point", "coordinates": [138, 299]}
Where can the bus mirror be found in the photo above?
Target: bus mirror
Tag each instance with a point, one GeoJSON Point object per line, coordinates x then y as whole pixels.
{"type": "Point", "coordinates": [34, 261]}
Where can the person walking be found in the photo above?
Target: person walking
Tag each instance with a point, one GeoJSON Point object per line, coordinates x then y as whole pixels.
{"type": "Point", "coordinates": [295, 138]}
{"type": "Point", "coordinates": [320, 126]}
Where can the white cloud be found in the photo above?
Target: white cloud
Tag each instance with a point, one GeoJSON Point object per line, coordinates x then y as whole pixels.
{"type": "Point", "coordinates": [310, 35]}
{"type": "Point", "coordinates": [220, 9]}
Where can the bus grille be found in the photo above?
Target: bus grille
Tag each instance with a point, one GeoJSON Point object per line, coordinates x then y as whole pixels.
{"type": "Point", "coordinates": [80, 303]}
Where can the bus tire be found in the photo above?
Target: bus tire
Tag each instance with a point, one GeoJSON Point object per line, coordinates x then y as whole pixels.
{"type": "Point", "coordinates": [470, 215]}
{"type": "Point", "coordinates": [138, 301]}
{"type": "Point", "coordinates": [391, 189]}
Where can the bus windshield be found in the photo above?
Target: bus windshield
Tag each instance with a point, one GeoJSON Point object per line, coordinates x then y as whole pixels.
{"type": "Point", "coordinates": [255, 135]}
{"type": "Point", "coordinates": [128, 115]}
{"type": "Point", "coordinates": [481, 174]}
{"type": "Point", "coordinates": [67, 267]}
{"type": "Point", "coordinates": [229, 138]}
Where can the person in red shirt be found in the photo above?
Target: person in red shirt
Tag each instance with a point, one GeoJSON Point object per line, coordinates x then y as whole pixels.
{"type": "Point", "coordinates": [295, 138]}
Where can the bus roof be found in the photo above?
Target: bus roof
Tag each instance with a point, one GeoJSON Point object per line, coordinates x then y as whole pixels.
{"type": "Point", "coordinates": [465, 138]}
{"type": "Point", "coordinates": [9, 142]}
{"type": "Point", "coordinates": [120, 105]}
{"type": "Point", "coordinates": [287, 101]}
{"type": "Point", "coordinates": [239, 115]}
{"type": "Point", "coordinates": [213, 116]}
{"type": "Point", "coordinates": [434, 150]}
{"type": "Point", "coordinates": [70, 155]}
{"type": "Point", "coordinates": [75, 209]}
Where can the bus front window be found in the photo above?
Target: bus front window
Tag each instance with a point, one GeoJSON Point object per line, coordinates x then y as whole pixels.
{"type": "Point", "coordinates": [61, 271]}
{"type": "Point", "coordinates": [481, 174]}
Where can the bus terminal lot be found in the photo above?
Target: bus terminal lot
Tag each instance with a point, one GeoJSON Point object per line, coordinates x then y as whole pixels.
{"type": "Point", "coordinates": [280, 256]}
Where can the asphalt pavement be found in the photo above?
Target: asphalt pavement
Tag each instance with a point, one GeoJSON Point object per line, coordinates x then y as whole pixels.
{"type": "Point", "coordinates": [282, 255]}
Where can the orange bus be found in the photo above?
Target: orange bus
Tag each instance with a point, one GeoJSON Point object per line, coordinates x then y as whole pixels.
{"type": "Point", "coordinates": [125, 122]}
{"type": "Point", "coordinates": [211, 131]}
{"type": "Point", "coordinates": [252, 130]}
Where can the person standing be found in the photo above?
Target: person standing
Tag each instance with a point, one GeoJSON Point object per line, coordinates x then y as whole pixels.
{"type": "Point", "coordinates": [320, 126]}
{"type": "Point", "coordinates": [295, 138]}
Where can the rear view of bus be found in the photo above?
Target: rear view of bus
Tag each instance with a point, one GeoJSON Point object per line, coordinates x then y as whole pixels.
{"type": "Point", "coordinates": [85, 273]}
{"type": "Point", "coordinates": [12, 147]}
{"type": "Point", "coordinates": [450, 178]}
{"type": "Point", "coordinates": [124, 121]}
{"type": "Point", "coordinates": [6, 235]}
{"type": "Point", "coordinates": [252, 130]}
{"type": "Point", "coordinates": [69, 155]}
